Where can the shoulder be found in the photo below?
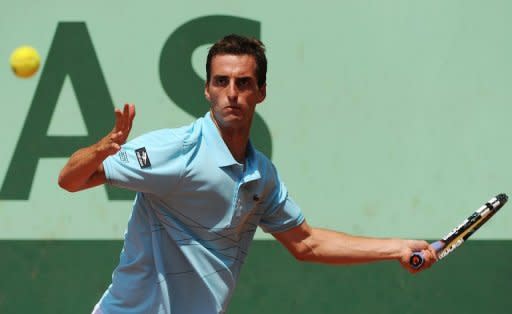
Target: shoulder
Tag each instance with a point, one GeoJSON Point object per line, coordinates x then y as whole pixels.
{"type": "Point", "coordinates": [184, 135]}
{"type": "Point", "coordinates": [265, 166]}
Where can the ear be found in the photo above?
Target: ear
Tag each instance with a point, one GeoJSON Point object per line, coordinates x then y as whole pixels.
{"type": "Point", "coordinates": [206, 92]}
{"type": "Point", "coordinates": [263, 93]}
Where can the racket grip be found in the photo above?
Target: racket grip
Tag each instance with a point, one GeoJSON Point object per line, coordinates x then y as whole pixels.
{"type": "Point", "coordinates": [417, 259]}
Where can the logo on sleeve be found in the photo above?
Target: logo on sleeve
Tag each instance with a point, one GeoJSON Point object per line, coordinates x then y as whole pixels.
{"type": "Point", "coordinates": [123, 156]}
{"type": "Point", "coordinates": [142, 157]}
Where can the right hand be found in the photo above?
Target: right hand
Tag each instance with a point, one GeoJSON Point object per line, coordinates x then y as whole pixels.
{"type": "Point", "coordinates": [411, 246]}
{"type": "Point", "coordinates": [111, 143]}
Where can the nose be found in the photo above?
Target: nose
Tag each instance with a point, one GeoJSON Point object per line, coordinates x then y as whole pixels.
{"type": "Point", "coordinates": [232, 92]}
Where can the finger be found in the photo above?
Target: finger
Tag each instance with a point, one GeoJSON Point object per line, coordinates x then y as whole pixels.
{"type": "Point", "coordinates": [132, 111]}
{"type": "Point", "coordinates": [116, 147]}
{"type": "Point", "coordinates": [406, 264]}
{"type": "Point", "coordinates": [411, 269]}
{"type": "Point", "coordinates": [126, 120]}
{"type": "Point", "coordinates": [116, 136]}
{"type": "Point", "coordinates": [119, 117]}
{"type": "Point", "coordinates": [121, 139]}
{"type": "Point", "coordinates": [433, 252]}
{"type": "Point", "coordinates": [430, 258]}
{"type": "Point", "coordinates": [131, 116]}
{"type": "Point", "coordinates": [123, 119]}
{"type": "Point", "coordinates": [125, 116]}
{"type": "Point", "coordinates": [111, 148]}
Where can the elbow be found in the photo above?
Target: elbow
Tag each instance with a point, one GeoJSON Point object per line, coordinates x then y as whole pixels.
{"type": "Point", "coordinates": [303, 253]}
{"type": "Point", "coordinates": [66, 184]}
{"type": "Point", "coordinates": [301, 257]}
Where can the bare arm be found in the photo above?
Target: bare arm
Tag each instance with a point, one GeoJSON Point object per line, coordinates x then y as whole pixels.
{"type": "Point", "coordinates": [84, 168]}
{"type": "Point", "coordinates": [330, 247]}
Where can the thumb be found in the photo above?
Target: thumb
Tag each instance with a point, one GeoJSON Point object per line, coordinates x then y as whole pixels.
{"type": "Point", "coordinates": [418, 245]}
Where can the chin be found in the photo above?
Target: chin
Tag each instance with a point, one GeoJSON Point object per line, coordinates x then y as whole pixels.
{"type": "Point", "coordinates": [231, 116]}
{"type": "Point", "coordinates": [233, 122]}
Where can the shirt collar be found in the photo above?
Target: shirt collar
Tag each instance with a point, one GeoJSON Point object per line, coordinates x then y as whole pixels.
{"type": "Point", "coordinates": [221, 153]}
{"type": "Point", "coordinates": [251, 170]}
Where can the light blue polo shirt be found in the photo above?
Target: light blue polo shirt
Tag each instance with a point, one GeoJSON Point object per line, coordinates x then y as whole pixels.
{"type": "Point", "coordinates": [193, 219]}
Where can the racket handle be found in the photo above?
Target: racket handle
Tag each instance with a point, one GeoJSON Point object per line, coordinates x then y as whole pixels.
{"type": "Point", "coordinates": [417, 259]}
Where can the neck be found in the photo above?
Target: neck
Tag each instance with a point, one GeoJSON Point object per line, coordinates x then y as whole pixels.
{"type": "Point", "coordinates": [236, 140]}
{"type": "Point", "coordinates": [236, 143]}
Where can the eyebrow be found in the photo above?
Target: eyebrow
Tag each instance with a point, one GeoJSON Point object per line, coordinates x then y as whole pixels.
{"type": "Point", "coordinates": [237, 78]}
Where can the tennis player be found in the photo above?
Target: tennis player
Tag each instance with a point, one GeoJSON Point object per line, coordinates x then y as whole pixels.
{"type": "Point", "coordinates": [202, 190]}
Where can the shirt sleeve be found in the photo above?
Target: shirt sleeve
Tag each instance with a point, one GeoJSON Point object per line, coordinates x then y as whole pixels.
{"type": "Point", "coordinates": [281, 212]}
{"type": "Point", "coordinates": [151, 163]}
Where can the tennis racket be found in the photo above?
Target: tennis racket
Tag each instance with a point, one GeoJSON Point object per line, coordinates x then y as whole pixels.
{"type": "Point", "coordinates": [461, 233]}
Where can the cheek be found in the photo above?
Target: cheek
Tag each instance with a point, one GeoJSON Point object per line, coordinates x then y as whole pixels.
{"type": "Point", "coordinates": [212, 97]}
{"type": "Point", "coordinates": [215, 101]}
{"type": "Point", "coordinates": [216, 94]}
{"type": "Point", "coordinates": [250, 99]}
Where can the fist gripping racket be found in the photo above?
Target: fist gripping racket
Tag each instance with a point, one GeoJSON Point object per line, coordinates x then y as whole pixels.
{"type": "Point", "coordinates": [461, 233]}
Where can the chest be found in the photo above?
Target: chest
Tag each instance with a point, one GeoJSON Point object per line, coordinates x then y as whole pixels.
{"type": "Point", "coordinates": [217, 198]}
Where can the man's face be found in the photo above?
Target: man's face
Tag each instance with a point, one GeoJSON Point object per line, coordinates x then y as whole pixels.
{"type": "Point", "coordinates": [233, 90]}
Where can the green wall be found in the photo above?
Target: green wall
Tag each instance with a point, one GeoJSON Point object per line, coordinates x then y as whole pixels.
{"type": "Point", "coordinates": [69, 277]}
{"type": "Point", "coordinates": [379, 114]}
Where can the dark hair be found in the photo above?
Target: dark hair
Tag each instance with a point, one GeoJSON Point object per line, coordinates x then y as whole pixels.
{"type": "Point", "coordinates": [240, 45]}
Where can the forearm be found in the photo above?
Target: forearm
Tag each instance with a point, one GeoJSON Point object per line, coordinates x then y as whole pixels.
{"type": "Point", "coordinates": [325, 246]}
{"type": "Point", "coordinates": [84, 168]}
{"type": "Point", "coordinates": [81, 169]}
{"type": "Point", "coordinates": [331, 247]}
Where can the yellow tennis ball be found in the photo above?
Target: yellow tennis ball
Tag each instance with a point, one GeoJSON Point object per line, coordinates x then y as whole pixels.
{"type": "Point", "coordinates": [25, 61]}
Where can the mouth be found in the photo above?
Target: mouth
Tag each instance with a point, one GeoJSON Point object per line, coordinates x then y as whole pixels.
{"type": "Point", "coordinates": [233, 108]}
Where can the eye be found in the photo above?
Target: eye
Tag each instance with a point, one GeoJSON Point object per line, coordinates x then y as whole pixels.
{"type": "Point", "coordinates": [220, 81]}
{"type": "Point", "coordinates": [243, 82]}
